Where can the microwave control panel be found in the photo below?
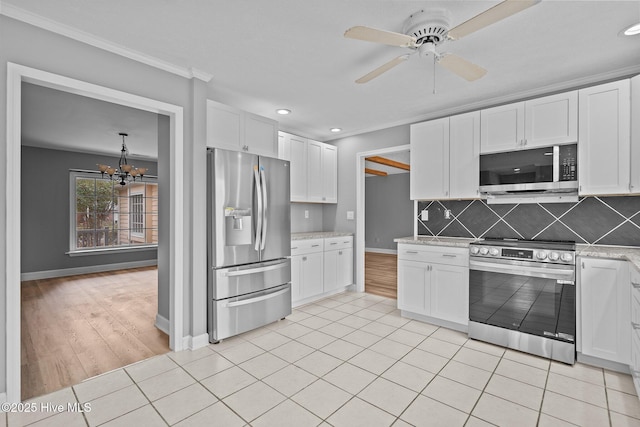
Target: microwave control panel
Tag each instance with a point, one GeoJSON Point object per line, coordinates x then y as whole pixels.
{"type": "Point", "coordinates": [568, 162]}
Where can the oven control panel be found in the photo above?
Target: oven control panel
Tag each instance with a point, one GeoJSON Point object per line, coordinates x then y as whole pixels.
{"type": "Point", "coordinates": [535, 255]}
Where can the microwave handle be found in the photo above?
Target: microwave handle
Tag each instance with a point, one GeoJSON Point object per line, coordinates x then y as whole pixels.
{"type": "Point", "coordinates": [556, 163]}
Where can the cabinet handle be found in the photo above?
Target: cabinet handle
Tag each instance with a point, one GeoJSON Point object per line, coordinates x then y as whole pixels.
{"type": "Point", "coordinates": [583, 265]}
{"type": "Point", "coordinates": [635, 285]}
{"type": "Point", "coordinates": [245, 147]}
{"type": "Point", "coordinates": [449, 255]}
{"type": "Point", "coordinates": [635, 325]}
{"type": "Point", "coordinates": [294, 247]}
{"type": "Point", "coordinates": [333, 243]}
{"type": "Point", "coordinates": [304, 258]}
{"type": "Point", "coordinates": [339, 252]}
{"type": "Point", "coordinates": [346, 241]}
{"type": "Point", "coordinates": [410, 252]}
{"type": "Point", "coordinates": [315, 246]}
{"type": "Point", "coordinates": [525, 142]}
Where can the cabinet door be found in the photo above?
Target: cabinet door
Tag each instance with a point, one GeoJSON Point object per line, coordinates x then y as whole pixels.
{"type": "Point", "coordinates": [329, 173]}
{"type": "Point", "coordinates": [464, 151]}
{"type": "Point", "coordinates": [284, 146]}
{"type": "Point", "coordinates": [605, 309]}
{"type": "Point", "coordinates": [314, 171]}
{"type": "Point", "coordinates": [551, 120]}
{"type": "Point", "coordinates": [224, 126]}
{"type": "Point", "coordinates": [298, 167]}
{"type": "Point", "coordinates": [414, 283]}
{"type": "Point", "coordinates": [296, 278]}
{"type": "Point", "coordinates": [345, 267]}
{"type": "Point", "coordinates": [330, 270]}
{"type": "Point", "coordinates": [312, 274]}
{"type": "Point", "coordinates": [260, 135]}
{"type": "Point", "coordinates": [502, 128]}
{"type": "Point", "coordinates": [604, 146]}
{"type": "Point", "coordinates": [635, 135]}
{"type": "Point", "coordinates": [450, 293]}
{"type": "Point", "coordinates": [430, 160]}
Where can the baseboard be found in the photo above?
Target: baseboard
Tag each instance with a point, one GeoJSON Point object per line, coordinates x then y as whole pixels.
{"type": "Point", "coordinates": [382, 251]}
{"type": "Point", "coordinates": [162, 323]}
{"type": "Point", "coordinates": [435, 321]}
{"type": "Point", "coordinates": [193, 343]}
{"type": "Point", "coordinates": [602, 363]}
{"type": "Point", "coordinates": [49, 274]}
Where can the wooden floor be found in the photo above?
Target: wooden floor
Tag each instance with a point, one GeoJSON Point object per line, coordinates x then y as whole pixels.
{"type": "Point", "coordinates": [381, 274]}
{"type": "Point", "coordinates": [77, 327]}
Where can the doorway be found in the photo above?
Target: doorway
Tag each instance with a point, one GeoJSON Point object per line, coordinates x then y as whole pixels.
{"type": "Point", "coordinates": [378, 220]}
{"type": "Point", "coordinates": [16, 75]}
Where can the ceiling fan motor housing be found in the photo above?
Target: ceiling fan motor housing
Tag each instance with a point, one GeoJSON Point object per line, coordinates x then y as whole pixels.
{"type": "Point", "coordinates": [428, 26]}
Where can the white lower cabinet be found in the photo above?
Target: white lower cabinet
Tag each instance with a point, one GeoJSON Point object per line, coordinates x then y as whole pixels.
{"type": "Point", "coordinates": [320, 267]}
{"type": "Point", "coordinates": [433, 283]}
{"type": "Point", "coordinates": [605, 309]}
{"type": "Point", "coordinates": [307, 257]}
{"type": "Point", "coordinates": [634, 367]}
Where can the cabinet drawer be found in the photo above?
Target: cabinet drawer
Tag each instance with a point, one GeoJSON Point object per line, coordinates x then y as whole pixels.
{"type": "Point", "coordinates": [333, 243]}
{"type": "Point", "coordinates": [308, 246]}
{"type": "Point", "coordinates": [434, 254]}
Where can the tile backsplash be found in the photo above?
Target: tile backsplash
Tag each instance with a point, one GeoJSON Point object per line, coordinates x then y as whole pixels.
{"type": "Point", "coordinates": [592, 220]}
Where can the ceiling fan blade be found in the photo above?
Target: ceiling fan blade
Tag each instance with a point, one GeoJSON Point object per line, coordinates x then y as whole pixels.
{"type": "Point", "coordinates": [382, 69]}
{"type": "Point", "coordinates": [380, 36]}
{"type": "Point", "coordinates": [460, 66]}
{"type": "Point", "coordinates": [490, 16]}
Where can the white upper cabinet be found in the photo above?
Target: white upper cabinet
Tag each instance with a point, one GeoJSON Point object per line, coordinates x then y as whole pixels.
{"type": "Point", "coordinates": [233, 129]}
{"type": "Point", "coordinates": [329, 173]}
{"type": "Point", "coordinates": [445, 158]}
{"type": "Point", "coordinates": [545, 121]}
{"type": "Point", "coordinates": [604, 146]}
{"type": "Point", "coordinates": [635, 135]}
{"type": "Point", "coordinates": [551, 120]}
{"type": "Point", "coordinates": [314, 168]}
{"type": "Point", "coordinates": [429, 160]}
{"type": "Point", "coordinates": [464, 155]}
{"type": "Point", "coordinates": [502, 128]}
{"type": "Point", "coordinates": [314, 171]}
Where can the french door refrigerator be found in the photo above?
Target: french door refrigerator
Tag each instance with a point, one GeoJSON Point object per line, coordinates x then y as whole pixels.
{"type": "Point", "coordinates": [248, 242]}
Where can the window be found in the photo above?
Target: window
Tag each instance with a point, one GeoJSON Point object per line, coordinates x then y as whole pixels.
{"type": "Point", "coordinates": [105, 214]}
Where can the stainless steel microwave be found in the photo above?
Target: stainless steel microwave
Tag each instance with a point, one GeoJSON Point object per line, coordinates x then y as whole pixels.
{"type": "Point", "coordinates": [546, 169]}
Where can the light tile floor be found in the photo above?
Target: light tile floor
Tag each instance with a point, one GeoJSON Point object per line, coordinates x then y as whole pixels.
{"type": "Point", "coordinates": [348, 360]}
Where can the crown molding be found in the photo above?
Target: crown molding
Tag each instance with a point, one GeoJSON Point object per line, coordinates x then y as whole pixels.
{"type": "Point", "coordinates": [22, 15]}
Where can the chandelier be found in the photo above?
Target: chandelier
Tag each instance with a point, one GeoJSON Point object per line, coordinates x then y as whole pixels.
{"type": "Point", "coordinates": [125, 172]}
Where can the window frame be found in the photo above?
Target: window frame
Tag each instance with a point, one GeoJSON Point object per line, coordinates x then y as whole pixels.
{"type": "Point", "coordinates": [73, 249]}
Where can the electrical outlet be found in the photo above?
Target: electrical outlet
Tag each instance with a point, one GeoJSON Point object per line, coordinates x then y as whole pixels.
{"type": "Point", "coordinates": [350, 215]}
{"type": "Point", "coordinates": [424, 215]}
{"type": "Point", "coordinates": [306, 214]}
{"type": "Point", "coordinates": [447, 214]}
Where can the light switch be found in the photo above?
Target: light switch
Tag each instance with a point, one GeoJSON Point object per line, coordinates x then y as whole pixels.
{"type": "Point", "coordinates": [424, 215]}
{"type": "Point", "coordinates": [350, 215]}
{"type": "Point", "coordinates": [306, 214]}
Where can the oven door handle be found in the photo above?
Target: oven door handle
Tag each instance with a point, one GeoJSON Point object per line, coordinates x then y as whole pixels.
{"type": "Point", "coordinates": [564, 274]}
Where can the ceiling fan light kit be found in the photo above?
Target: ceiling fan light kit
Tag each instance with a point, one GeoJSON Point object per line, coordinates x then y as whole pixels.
{"type": "Point", "coordinates": [427, 29]}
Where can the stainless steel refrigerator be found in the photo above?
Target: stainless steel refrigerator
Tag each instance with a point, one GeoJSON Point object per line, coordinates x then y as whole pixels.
{"type": "Point", "coordinates": [248, 242]}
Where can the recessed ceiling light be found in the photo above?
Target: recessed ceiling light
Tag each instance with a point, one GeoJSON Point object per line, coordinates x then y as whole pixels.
{"type": "Point", "coordinates": [632, 30]}
{"type": "Point", "coordinates": [334, 130]}
{"type": "Point", "coordinates": [283, 111]}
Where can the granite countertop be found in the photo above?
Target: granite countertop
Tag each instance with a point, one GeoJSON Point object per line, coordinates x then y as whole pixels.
{"type": "Point", "coordinates": [630, 254]}
{"type": "Point", "coordinates": [461, 242]}
{"type": "Point", "coordinates": [318, 235]}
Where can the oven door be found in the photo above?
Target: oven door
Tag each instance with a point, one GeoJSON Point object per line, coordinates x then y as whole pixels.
{"type": "Point", "coordinates": [533, 298]}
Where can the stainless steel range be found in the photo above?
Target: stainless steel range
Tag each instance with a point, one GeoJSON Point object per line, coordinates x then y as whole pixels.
{"type": "Point", "coordinates": [522, 295]}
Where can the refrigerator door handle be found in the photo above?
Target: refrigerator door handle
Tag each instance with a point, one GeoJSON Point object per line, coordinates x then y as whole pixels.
{"type": "Point", "coordinates": [256, 175]}
{"type": "Point", "coordinates": [263, 238]}
{"type": "Point", "coordinates": [254, 270]}
{"type": "Point", "coordinates": [256, 299]}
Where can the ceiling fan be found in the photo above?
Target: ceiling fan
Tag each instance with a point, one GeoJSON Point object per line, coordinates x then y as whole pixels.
{"type": "Point", "coordinates": [425, 30]}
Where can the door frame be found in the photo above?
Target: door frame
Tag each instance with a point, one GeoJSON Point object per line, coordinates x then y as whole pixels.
{"type": "Point", "coordinates": [360, 204]}
{"type": "Point", "coordinates": [16, 75]}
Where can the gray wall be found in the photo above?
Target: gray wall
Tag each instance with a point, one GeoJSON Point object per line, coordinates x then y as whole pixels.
{"type": "Point", "coordinates": [388, 210]}
{"type": "Point", "coordinates": [34, 47]}
{"type": "Point", "coordinates": [300, 224]}
{"type": "Point", "coordinates": [45, 210]}
{"type": "Point", "coordinates": [334, 217]}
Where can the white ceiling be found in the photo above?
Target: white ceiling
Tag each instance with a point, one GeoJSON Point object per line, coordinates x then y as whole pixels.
{"type": "Point", "coordinates": [292, 54]}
